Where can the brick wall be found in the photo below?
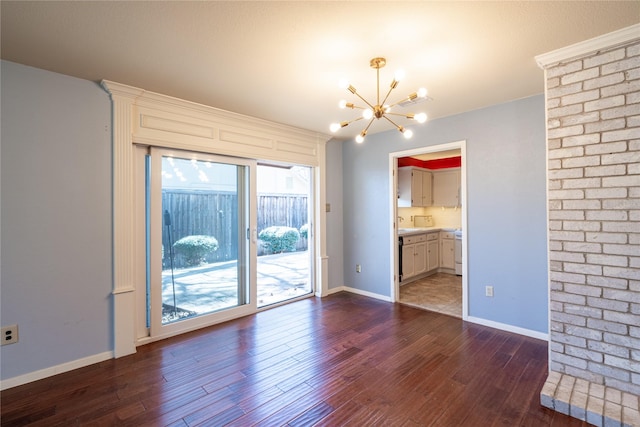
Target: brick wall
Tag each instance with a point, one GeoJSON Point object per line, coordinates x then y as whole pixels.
{"type": "Point", "coordinates": [593, 122]}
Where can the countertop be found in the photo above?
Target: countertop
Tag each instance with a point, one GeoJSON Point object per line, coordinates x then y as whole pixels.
{"type": "Point", "coordinates": [422, 230]}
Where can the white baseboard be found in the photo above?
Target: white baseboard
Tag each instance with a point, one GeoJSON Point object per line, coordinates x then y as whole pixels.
{"type": "Point", "coordinates": [366, 293]}
{"type": "Point", "coordinates": [508, 328]}
{"type": "Point", "coordinates": [54, 370]}
{"type": "Point", "coordinates": [335, 290]}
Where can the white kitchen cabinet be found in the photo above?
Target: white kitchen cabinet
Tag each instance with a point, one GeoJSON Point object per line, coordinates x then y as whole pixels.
{"type": "Point", "coordinates": [408, 268]}
{"type": "Point", "coordinates": [420, 257]}
{"type": "Point", "coordinates": [447, 250]}
{"type": "Point", "coordinates": [446, 188]}
{"type": "Point", "coordinates": [427, 193]}
{"type": "Point", "coordinates": [414, 256]}
{"type": "Point", "coordinates": [432, 251]}
{"type": "Point", "coordinates": [414, 187]}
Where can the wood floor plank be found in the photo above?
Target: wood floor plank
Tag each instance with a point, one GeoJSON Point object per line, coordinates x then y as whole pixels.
{"type": "Point", "coordinates": [212, 402]}
{"type": "Point", "coordinates": [313, 414]}
{"type": "Point", "coordinates": [340, 415]}
{"type": "Point", "coordinates": [222, 418]}
{"type": "Point", "coordinates": [271, 407]}
{"type": "Point", "coordinates": [341, 360]}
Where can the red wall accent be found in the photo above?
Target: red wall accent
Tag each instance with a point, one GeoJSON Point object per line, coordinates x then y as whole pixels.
{"type": "Point", "coordinates": [449, 162]}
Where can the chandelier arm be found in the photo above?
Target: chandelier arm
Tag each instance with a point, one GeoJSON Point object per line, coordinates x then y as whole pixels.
{"type": "Point", "coordinates": [363, 100]}
{"type": "Point", "coordinates": [392, 122]}
{"type": "Point", "coordinates": [368, 126]}
{"type": "Point", "coordinates": [385, 98]}
{"type": "Point", "coordinates": [407, 116]}
{"type": "Point", "coordinates": [358, 107]}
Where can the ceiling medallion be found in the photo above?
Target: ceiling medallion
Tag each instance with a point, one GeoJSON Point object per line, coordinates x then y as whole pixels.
{"type": "Point", "coordinates": [380, 109]}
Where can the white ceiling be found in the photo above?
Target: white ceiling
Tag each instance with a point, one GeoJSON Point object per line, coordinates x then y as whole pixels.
{"type": "Point", "coordinates": [281, 61]}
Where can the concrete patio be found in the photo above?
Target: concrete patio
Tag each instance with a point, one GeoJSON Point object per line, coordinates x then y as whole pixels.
{"type": "Point", "coordinates": [213, 287]}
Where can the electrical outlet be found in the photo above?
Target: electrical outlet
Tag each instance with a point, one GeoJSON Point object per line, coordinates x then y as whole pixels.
{"type": "Point", "coordinates": [488, 291]}
{"type": "Point", "coordinates": [9, 334]}
{"type": "Point", "coordinates": [358, 268]}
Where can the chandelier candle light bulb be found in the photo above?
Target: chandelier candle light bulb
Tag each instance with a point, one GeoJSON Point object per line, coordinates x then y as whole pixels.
{"type": "Point", "coordinates": [380, 109]}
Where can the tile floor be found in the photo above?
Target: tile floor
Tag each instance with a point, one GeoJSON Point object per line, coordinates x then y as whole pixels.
{"type": "Point", "coordinates": [440, 292]}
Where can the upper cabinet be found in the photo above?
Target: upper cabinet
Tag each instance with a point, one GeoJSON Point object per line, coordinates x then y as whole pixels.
{"type": "Point", "coordinates": [446, 188]}
{"type": "Point", "coordinates": [419, 187]}
{"type": "Point", "coordinates": [414, 187]}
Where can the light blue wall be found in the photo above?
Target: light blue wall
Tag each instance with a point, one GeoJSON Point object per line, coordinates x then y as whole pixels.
{"type": "Point", "coordinates": [56, 218]}
{"type": "Point", "coordinates": [506, 206]}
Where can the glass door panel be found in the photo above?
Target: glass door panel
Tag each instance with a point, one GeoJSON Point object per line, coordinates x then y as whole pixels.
{"type": "Point", "coordinates": [200, 254]}
{"type": "Point", "coordinates": [284, 265]}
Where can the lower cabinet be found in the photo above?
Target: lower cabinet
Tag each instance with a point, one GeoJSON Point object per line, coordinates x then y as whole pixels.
{"type": "Point", "coordinates": [420, 257]}
{"type": "Point", "coordinates": [447, 250]}
{"type": "Point", "coordinates": [408, 266]}
{"type": "Point", "coordinates": [424, 253]}
{"type": "Point", "coordinates": [420, 254]}
{"type": "Point", "coordinates": [414, 256]}
{"type": "Point", "coordinates": [432, 252]}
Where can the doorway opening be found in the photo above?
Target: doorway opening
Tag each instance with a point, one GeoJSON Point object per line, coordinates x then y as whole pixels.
{"type": "Point", "coordinates": [428, 208]}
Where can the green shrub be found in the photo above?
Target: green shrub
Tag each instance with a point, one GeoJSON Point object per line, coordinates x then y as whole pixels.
{"type": "Point", "coordinates": [304, 231]}
{"type": "Point", "coordinates": [279, 239]}
{"type": "Point", "coordinates": [194, 249]}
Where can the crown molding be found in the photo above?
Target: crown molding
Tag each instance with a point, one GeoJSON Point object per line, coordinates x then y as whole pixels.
{"type": "Point", "coordinates": [147, 98]}
{"type": "Point", "coordinates": [613, 39]}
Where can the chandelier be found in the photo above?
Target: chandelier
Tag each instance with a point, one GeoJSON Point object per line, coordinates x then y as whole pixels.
{"type": "Point", "coordinates": [381, 109]}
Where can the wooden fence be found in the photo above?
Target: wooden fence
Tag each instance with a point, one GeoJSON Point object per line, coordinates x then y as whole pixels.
{"type": "Point", "coordinates": [215, 214]}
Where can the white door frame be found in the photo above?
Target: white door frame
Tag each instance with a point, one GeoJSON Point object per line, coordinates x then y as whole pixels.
{"type": "Point", "coordinates": [393, 226]}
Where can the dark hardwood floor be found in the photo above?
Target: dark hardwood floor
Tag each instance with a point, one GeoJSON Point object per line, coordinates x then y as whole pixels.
{"type": "Point", "coordinates": [340, 360]}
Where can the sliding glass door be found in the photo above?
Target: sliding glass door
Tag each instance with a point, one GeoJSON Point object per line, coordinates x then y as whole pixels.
{"type": "Point", "coordinates": [225, 237]}
{"type": "Point", "coordinates": [201, 257]}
